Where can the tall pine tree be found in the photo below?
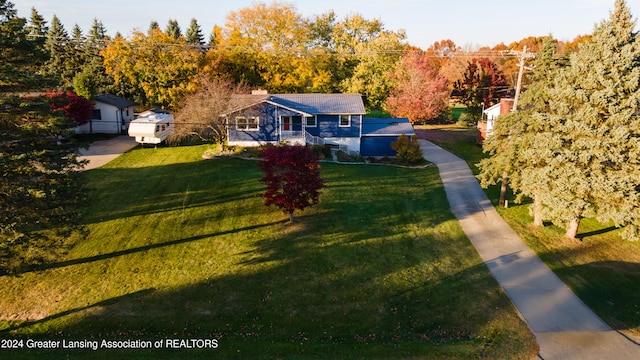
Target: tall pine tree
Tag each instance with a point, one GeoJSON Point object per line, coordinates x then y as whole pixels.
{"type": "Point", "coordinates": [520, 141]}
{"type": "Point", "coordinates": [57, 44]}
{"type": "Point", "coordinates": [19, 56]}
{"type": "Point", "coordinates": [173, 29]}
{"type": "Point", "coordinates": [596, 163]}
{"type": "Point", "coordinates": [194, 34]}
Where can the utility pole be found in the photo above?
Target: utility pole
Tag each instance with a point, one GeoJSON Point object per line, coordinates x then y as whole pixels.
{"type": "Point", "coordinates": [522, 56]}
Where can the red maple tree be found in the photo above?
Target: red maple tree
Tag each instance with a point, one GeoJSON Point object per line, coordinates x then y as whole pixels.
{"type": "Point", "coordinates": [73, 106]}
{"type": "Point", "coordinates": [292, 176]}
{"type": "Point", "coordinates": [418, 92]}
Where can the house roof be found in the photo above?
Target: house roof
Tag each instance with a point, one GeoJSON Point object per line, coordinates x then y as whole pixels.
{"type": "Point", "coordinates": [492, 109]}
{"type": "Point", "coordinates": [153, 111]}
{"type": "Point", "coordinates": [387, 127]}
{"type": "Point", "coordinates": [114, 100]}
{"type": "Point", "coordinates": [313, 104]}
{"type": "Point", "coordinates": [322, 103]}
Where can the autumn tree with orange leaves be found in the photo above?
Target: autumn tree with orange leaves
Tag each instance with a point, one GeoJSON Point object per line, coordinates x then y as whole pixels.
{"type": "Point", "coordinates": [418, 92]}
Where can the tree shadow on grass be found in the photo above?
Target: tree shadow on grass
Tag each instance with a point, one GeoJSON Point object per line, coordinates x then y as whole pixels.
{"type": "Point", "coordinates": [136, 296]}
{"type": "Point", "coordinates": [145, 248]}
{"type": "Point", "coordinates": [318, 300]}
{"type": "Point", "coordinates": [582, 236]}
{"type": "Point", "coordinates": [361, 276]}
{"type": "Point", "coordinates": [610, 289]}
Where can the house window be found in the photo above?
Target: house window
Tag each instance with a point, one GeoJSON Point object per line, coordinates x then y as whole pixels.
{"type": "Point", "coordinates": [97, 115]}
{"type": "Point", "coordinates": [345, 120]}
{"type": "Point", "coordinates": [247, 123]}
{"type": "Point", "coordinates": [310, 121]}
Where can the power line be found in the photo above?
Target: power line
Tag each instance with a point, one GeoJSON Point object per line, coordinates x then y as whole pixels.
{"type": "Point", "coordinates": [305, 51]}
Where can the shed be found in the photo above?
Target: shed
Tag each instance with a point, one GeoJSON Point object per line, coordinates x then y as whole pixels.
{"type": "Point", "coordinates": [379, 133]}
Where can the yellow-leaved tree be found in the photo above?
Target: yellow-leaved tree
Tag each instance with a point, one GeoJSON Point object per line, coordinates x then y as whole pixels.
{"type": "Point", "coordinates": [159, 68]}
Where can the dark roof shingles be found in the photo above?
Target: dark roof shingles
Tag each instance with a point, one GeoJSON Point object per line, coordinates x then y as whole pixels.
{"type": "Point", "coordinates": [387, 127]}
{"type": "Point", "coordinates": [322, 103]}
{"type": "Point", "coordinates": [116, 101]}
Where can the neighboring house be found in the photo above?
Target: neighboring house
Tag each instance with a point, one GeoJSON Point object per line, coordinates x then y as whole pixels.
{"type": "Point", "coordinates": [485, 128]}
{"type": "Point", "coordinates": [333, 119]}
{"type": "Point", "coordinates": [111, 115]}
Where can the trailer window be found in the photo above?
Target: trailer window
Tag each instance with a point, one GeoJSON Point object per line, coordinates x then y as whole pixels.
{"type": "Point", "coordinates": [247, 123]}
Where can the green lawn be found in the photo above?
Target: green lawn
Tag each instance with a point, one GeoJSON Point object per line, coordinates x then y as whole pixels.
{"type": "Point", "coordinates": [177, 247]}
{"type": "Point", "coordinates": [601, 268]}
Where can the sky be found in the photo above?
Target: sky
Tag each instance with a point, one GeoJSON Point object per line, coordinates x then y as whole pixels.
{"type": "Point", "coordinates": [469, 23]}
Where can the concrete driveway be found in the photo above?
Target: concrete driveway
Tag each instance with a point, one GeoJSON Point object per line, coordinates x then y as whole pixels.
{"type": "Point", "coordinates": [102, 151]}
{"type": "Point", "coordinates": [564, 327]}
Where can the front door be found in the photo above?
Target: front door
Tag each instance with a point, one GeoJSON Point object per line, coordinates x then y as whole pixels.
{"type": "Point", "coordinates": [286, 123]}
{"type": "Point", "coordinates": [291, 123]}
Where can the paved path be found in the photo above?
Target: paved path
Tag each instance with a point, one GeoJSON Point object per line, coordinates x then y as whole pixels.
{"type": "Point", "coordinates": [102, 151]}
{"type": "Point", "coordinates": [564, 327]}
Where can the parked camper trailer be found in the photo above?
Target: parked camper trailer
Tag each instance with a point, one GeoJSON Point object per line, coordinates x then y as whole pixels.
{"type": "Point", "coordinates": [152, 129]}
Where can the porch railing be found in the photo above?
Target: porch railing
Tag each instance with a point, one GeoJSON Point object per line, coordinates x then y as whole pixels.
{"type": "Point", "coordinates": [313, 140]}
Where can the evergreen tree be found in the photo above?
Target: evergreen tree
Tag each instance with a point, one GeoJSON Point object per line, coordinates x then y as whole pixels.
{"type": "Point", "coordinates": [152, 27]}
{"type": "Point", "coordinates": [194, 34]}
{"type": "Point", "coordinates": [93, 76]}
{"type": "Point", "coordinates": [76, 34]}
{"type": "Point", "coordinates": [40, 185]}
{"type": "Point", "coordinates": [538, 139]}
{"type": "Point", "coordinates": [520, 141]}
{"type": "Point", "coordinates": [37, 27]}
{"type": "Point", "coordinates": [595, 162]}
{"type": "Point", "coordinates": [76, 56]}
{"type": "Point", "coordinates": [15, 57]}
{"type": "Point", "coordinates": [173, 29]}
{"type": "Point", "coordinates": [57, 43]}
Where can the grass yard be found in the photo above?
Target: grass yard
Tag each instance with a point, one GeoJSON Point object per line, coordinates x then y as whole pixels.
{"type": "Point", "coordinates": [178, 247]}
{"type": "Point", "coordinates": [601, 268]}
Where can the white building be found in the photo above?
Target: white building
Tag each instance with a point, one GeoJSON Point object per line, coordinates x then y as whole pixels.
{"type": "Point", "coordinates": [485, 127]}
{"type": "Point", "coordinates": [111, 115]}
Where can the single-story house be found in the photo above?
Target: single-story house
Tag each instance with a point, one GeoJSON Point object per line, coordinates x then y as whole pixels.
{"type": "Point", "coordinates": [333, 119]}
{"type": "Point", "coordinates": [111, 115]}
{"type": "Point", "coordinates": [485, 127]}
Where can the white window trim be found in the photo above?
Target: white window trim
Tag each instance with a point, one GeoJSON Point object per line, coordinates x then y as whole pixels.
{"type": "Point", "coordinates": [246, 123]}
{"type": "Point", "coordinates": [315, 121]}
{"type": "Point", "coordinates": [340, 121]}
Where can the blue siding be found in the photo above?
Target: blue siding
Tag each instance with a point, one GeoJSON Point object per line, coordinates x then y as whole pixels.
{"type": "Point", "coordinates": [377, 146]}
{"type": "Point", "coordinates": [329, 126]}
{"type": "Point", "coordinates": [378, 134]}
{"type": "Point", "coordinates": [270, 111]}
{"type": "Point", "coordinates": [267, 130]}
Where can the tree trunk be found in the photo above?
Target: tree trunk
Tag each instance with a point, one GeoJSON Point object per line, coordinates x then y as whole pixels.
{"type": "Point", "coordinates": [537, 211]}
{"type": "Point", "coordinates": [572, 230]}
{"type": "Point", "coordinates": [503, 188]}
{"type": "Point", "coordinates": [291, 218]}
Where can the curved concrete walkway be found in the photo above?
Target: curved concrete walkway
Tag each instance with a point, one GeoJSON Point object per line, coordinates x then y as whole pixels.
{"type": "Point", "coordinates": [564, 327]}
{"type": "Point", "coordinates": [102, 151]}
